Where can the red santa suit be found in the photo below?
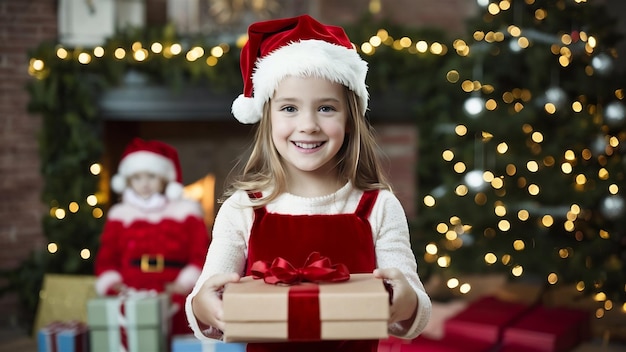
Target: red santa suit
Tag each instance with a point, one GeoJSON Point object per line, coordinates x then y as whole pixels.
{"type": "Point", "coordinates": [151, 243]}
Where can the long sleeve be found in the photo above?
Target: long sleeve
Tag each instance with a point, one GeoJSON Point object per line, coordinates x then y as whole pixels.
{"type": "Point", "coordinates": [393, 250]}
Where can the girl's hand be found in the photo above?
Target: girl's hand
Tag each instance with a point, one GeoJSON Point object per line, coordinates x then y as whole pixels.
{"type": "Point", "coordinates": [404, 299]}
{"type": "Point", "coordinates": [207, 304]}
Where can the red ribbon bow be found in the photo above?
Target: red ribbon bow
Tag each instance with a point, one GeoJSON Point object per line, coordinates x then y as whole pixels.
{"type": "Point", "coordinates": [316, 269]}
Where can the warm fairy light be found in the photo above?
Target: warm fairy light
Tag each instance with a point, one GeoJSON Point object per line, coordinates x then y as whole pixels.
{"type": "Point", "coordinates": [577, 106]}
{"type": "Point", "coordinates": [211, 61]}
{"type": "Point", "coordinates": [92, 200]}
{"type": "Point", "coordinates": [73, 207]}
{"type": "Point", "coordinates": [84, 58]}
{"type": "Point", "coordinates": [52, 247]}
{"type": "Point", "coordinates": [429, 201]}
{"type": "Point", "coordinates": [523, 215]}
{"type": "Point", "coordinates": [447, 155]}
{"type": "Point", "coordinates": [599, 297]}
{"type": "Point", "coordinates": [491, 258]}
{"type": "Point", "coordinates": [500, 210]}
{"type": "Point", "coordinates": [502, 148]}
{"type": "Point", "coordinates": [517, 270]}
{"type": "Point", "coordinates": [519, 245]}
{"type": "Point", "coordinates": [603, 174]}
{"type": "Point", "coordinates": [444, 261]}
{"type": "Point", "coordinates": [451, 235]}
{"type": "Point", "coordinates": [550, 108]}
{"type": "Point", "coordinates": [98, 51]}
{"type": "Point", "coordinates": [156, 47]}
{"type": "Point", "coordinates": [140, 55]}
{"type": "Point", "coordinates": [504, 225]}
{"type": "Point", "coordinates": [465, 288]}
{"type": "Point", "coordinates": [442, 228]}
{"type": "Point", "coordinates": [532, 166]}
{"type": "Point", "coordinates": [37, 65]}
{"type": "Point", "coordinates": [176, 49]}
{"type": "Point", "coordinates": [547, 220]}
{"type": "Point", "coordinates": [375, 41]}
{"type": "Point", "coordinates": [613, 189]}
{"type": "Point", "coordinates": [453, 283]}
{"type": "Point", "coordinates": [62, 53]}
{"type": "Point", "coordinates": [566, 168]}
{"type": "Point", "coordinates": [581, 179]}
{"type": "Point", "coordinates": [497, 183]}
{"type": "Point", "coordinates": [431, 248]}
{"type": "Point", "coordinates": [460, 130]}
{"type": "Point", "coordinates": [460, 167]}
{"type": "Point", "coordinates": [119, 53]}
{"type": "Point", "coordinates": [437, 48]}
{"type": "Point", "coordinates": [59, 213]}
{"type": "Point", "coordinates": [85, 253]}
{"type": "Point", "coordinates": [218, 51]}
{"type": "Point", "coordinates": [95, 169]}
{"type": "Point", "coordinates": [553, 278]}
{"type": "Point", "coordinates": [97, 213]}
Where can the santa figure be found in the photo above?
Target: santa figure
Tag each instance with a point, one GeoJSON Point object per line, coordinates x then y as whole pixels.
{"type": "Point", "coordinates": [153, 239]}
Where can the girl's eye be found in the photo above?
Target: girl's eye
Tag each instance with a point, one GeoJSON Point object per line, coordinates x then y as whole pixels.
{"type": "Point", "coordinates": [288, 109]}
{"type": "Point", "coordinates": [327, 109]}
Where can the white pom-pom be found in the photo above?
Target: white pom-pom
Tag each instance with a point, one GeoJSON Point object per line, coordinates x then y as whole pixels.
{"type": "Point", "coordinates": [245, 111]}
{"type": "Point", "coordinates": [174, 190]}
{"type": "Point", "coordinates": [118, 183]}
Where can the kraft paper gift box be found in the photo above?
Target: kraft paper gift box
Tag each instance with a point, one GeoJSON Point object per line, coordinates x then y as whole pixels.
{"type": "Point", "coordinates": [71, 336]}
{"type": "Point", "coordinates": [484, 319]}
{"type": "Point", "coordinates": [138, 322]}
{"type": "Point", "coordinates": [190, 343]}
{"type": "Point", "coordinates": [548, 329]}
{"type": "Point", "coordinates": [255, 311]}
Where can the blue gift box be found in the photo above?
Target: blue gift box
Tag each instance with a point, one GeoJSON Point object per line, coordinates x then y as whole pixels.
{"type": "Point", "coordinates": [189, 343]}
{"type": "Point", "coordinates": [63, 337]}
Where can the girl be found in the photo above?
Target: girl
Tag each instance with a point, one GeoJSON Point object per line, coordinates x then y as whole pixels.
{"type": "Point", "coordinates": [313, 181]}
{"type": "Point", "coordinates": [152, 239]}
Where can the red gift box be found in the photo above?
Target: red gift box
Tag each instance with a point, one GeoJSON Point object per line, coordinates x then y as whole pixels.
{"type": "Point", "coordinates": [546, 329]}
{"type": "Point", "coordinates": [484, 320]}
{"type": "Point", "coordinates": [424, 344]}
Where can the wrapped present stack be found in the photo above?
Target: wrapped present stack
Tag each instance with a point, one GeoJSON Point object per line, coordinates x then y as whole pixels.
{"type": "Point", "coordinates": [514, 318]}
{"type": "Point", "coordinates": [136, 322]}
{"type": "Point", "coordinates": [59, 336]}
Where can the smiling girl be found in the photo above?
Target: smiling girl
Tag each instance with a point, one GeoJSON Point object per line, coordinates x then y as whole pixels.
{"type": "Point", "coordinates": [313, 181]}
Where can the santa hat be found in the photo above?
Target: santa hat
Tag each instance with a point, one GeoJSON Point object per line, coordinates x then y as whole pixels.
{"type": "Point", "coordinates": [150, 156]}
{"type": "Point", "coordinates": [298, 46]}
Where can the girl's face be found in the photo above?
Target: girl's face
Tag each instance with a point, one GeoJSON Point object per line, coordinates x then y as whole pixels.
{"type": "Point", "coordinates": [145, 184]}
{"type": "Point", "coordinates": [308, 117]}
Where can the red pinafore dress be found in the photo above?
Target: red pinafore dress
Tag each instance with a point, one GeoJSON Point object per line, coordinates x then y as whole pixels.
{"type": "Point", "coordinates": [343, 238]}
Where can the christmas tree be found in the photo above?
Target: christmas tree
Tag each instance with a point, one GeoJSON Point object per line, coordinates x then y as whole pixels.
{"type": "Point", "coordinates": [525, 172]}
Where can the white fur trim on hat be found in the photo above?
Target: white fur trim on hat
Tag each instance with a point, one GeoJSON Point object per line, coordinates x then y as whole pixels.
{"type": "Point", "coordinates": [142, 161]}
{"type": "Point", "coordinates": [106, 280]}
{"type": "Point", "coordinates": [314, 58]}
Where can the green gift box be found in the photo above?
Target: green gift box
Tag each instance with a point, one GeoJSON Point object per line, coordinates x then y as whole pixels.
{"type": "Point", "coordinates": [137, 322]}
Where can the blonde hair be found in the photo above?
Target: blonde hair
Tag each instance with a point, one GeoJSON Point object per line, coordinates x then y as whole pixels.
{"type": "Point", "coordinates": [358, 160]}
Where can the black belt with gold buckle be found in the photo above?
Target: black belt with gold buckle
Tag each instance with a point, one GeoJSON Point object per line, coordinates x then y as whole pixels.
{"type": "Point", "coordinates": [155, 263]}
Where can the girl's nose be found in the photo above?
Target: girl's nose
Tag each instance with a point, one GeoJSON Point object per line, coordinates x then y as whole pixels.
{"type": "Point", "coordinates": [308, 123]}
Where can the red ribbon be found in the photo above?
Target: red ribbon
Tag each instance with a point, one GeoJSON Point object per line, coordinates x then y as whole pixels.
{"type": "Point", "coordinates": [316, 269]}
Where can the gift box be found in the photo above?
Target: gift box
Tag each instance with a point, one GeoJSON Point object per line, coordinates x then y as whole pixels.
{"type": "Point", "coordinates": [137, 322]}
{"type": "Point", "coordinates": [255, 311]}
{"type": "Point", "coordinates": [63, 298]}
{"type": "Point", "coordinates": [424, 344]}
{"type": "Point", "coordinates": [484, 319]}
{"type": "Point", "coordinates": [190, 343]}
{"type": "Point", "coordinates": [548, 329]}
{"type": "Point", "coordinates": [60, 336]}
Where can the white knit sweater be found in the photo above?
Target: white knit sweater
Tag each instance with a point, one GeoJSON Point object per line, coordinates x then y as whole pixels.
{"type": "Point", "coordinates": [231, 232]}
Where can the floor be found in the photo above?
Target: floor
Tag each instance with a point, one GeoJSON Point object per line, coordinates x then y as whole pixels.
{"type": "Point", "coordinates": [18, 341]}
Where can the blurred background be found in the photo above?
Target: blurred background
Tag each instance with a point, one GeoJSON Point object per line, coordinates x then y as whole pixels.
{"type": "Point", "coordinates": [503, 124]}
